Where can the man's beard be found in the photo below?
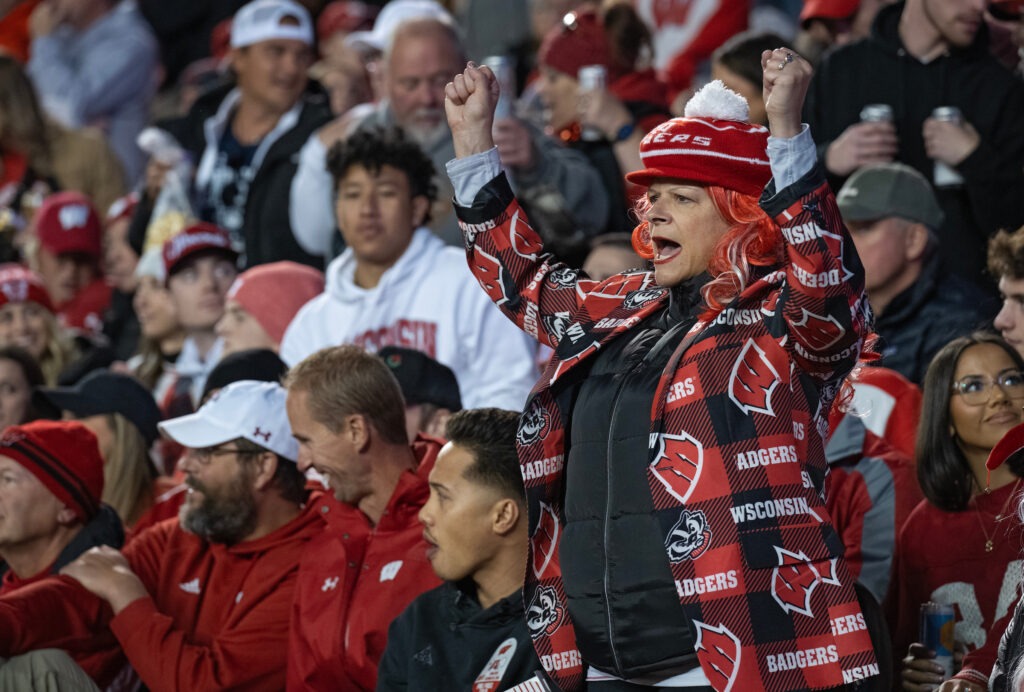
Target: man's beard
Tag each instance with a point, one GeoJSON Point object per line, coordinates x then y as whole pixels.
{"type": "Point", "coordinates": [225, 516]}
{"type": "Point", "coordinates": [426, 136]}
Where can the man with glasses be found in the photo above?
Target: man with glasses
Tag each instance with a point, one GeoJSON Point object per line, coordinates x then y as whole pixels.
{"type": "Point", "coordinates": [200, 603]}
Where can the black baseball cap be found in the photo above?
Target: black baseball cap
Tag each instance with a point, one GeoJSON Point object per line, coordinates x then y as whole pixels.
{"type": "Point", "coordinates": [423, 380]}
{"type": "Point", "coordinates": [102, 391]}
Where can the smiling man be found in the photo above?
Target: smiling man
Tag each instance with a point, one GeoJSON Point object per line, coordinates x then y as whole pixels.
{"type": "Point", "coordinates": [397, 284]}
{"type": "Point", "coordinates": [200, 602]}
{"type": "Point", "coordinates": [347, 413]}
{"type": "Point", "coordinates": [245, 136]}
{"type": "Point", "coordinates": [473, 627]}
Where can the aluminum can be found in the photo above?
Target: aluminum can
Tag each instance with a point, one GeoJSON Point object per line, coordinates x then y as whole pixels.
{"type": "Point", "coordinates": [592, 78]}
{"type": "Point", "coordinates": [937, 621]}
{"type": "Point", "coordinates": [945, 175]}
{"type": "Point", "coordinates": [504, 70]}
{"type": "Point", "coordinates": [876, 113]}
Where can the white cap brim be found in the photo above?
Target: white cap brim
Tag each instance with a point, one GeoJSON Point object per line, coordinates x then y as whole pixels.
{"type": "Point", "coordinates": [197, 431]}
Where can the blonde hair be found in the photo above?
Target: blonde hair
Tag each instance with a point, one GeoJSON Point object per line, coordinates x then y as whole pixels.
{"type": "Point", "coordinates": [59, 351]}
{"type": "Point", "coordinates": [128, 473]}
{"type": "Point", "coordinates": [344, 380]}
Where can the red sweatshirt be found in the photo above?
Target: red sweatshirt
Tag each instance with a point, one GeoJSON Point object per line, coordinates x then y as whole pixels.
{"type": "Point", "coordinates": [217, 616]}
{"type": "Point", "coordinates": [940, 556]}
{"type": "Point", "coordinates": [377, 570]}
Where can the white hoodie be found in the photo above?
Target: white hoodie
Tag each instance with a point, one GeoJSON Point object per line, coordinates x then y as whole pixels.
{"type": "Point", "coordinates": [429, 301]}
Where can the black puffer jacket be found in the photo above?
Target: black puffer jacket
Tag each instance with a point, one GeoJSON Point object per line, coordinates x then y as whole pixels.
{"type": "Point", "coordinates": [445, 641]}
{"type": "Point", "coordinates": [937, 308]}
{"type": "Point", "coordinates": [879, 70]}
{"type": "Point", "coordinates": [624, 604]}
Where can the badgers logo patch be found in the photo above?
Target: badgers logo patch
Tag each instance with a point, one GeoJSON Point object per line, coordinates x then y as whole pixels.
{"type": "Point", "coordinates": [545, 612]}
{"type": "Point", "coordinates": [689, 537]}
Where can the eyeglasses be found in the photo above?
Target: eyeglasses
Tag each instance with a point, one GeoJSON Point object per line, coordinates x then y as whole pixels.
{"type": "Point", "coordinates": [207, 454]}
{"type": "Point", "coordinates": [977, 390]}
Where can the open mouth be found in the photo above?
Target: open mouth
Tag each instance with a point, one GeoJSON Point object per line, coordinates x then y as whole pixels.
{"type": "Point", "coordinates": [665, 249]}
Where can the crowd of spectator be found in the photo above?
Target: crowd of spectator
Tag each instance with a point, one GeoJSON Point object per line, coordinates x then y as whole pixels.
{"type": "Point", "coordinates": [258, 417]}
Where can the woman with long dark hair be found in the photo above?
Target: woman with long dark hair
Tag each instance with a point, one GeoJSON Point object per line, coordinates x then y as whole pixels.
{"type": "Point", "coordinates": [961, 545]}
{"type": "Point", "coordinates": [672, 452]}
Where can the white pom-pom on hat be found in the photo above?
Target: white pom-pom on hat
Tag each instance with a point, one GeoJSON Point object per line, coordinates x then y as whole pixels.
{"type": "Point", "coordinates": [717, 102]}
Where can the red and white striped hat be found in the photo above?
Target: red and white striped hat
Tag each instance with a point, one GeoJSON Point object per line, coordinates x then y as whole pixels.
{"type": "Point", "coordinates": [713, 143]}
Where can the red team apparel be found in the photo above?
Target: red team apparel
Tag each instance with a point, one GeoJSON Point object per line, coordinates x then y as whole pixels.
{"type": "Point", "coordinates": [755, 558]}
{"type": "Point", "coordinates": [354, 580]}
{"type": "Point", "coordinates": [981, 585]}
{"type": "Point", "coordinates": [216, 618]}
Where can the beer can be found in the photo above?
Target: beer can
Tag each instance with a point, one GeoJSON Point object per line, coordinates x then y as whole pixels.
{"type": "Point", "coordinates": [592, 78]}
{"type": "Point", "coordinates": [937, 622]}
{"type": "Point", "coordinates": [876, 113]}
{"type": "Point", "coordinates": [504, 70]}
{"type": "Point", "coordinates": [945, 175]}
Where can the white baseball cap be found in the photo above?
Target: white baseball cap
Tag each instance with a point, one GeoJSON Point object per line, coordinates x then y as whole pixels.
{"type": "Point", "coordinates": [266, 20]}
{"type": "Point", "coordinates": [247, 409]}
{"type": "Point", "coordinates": [395, 13]}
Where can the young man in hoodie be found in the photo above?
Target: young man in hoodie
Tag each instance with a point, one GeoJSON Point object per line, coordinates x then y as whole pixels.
{"type": "Point", "coordinates": [470, 632]}
{"type": "Point", "coordinates": [921, 55]}
{"type": "Point", "coordinates": [398, 284]}
{"type": "Point", "coordinates": [200, 602]}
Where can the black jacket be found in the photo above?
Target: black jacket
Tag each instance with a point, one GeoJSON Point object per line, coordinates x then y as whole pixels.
{"type": "Point", "coordinates": [937, 308]}
{"type": "Point", "coordinates": [444, 641]}
{"type": "Point", "coordinates": [624, 603]}
{"type": "Point", "coordinates": [878, 69]}
{"type": "Point", "coordinates": [103, 529]}
{"type": "Point", "coordinates": [1011, 652]}
{"type": "Point", "coordinates": [266, 229]}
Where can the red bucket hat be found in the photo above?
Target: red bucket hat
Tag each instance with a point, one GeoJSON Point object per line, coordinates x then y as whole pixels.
{"type": "Point", "coordinates": [712, 144]}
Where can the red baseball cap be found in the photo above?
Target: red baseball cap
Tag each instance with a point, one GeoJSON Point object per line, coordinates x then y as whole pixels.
{"type": "Point", "coordinates": [67, 222]}
{"type": "Point", "coordinates": [20, 285]}
{"type": "Point", "coordinates": [828, 9]}
{"type": "Point", "coordinates": [196, 238]}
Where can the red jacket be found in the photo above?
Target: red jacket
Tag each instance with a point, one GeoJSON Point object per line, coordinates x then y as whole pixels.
{"type": "Point", "coordinates": [216, 618]}
{"type": "Point", "coordinates": [736, 467]}
{"type": "Point", "coordinates": [354, 579]}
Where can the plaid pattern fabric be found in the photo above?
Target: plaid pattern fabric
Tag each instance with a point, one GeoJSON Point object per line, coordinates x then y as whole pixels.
{"type": "Point", "coordinates": [736, 467]}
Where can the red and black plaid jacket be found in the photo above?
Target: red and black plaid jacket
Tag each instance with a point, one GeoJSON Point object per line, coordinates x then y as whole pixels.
{"type": "Point", "coordinates": [736, 467]}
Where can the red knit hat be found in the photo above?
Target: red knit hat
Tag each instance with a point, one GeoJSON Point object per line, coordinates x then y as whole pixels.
{"type": "Point", "coordinates": [273, 293]}
{"type": "Point", "coordinates": [713, 144]}
{"type": "Point", "coordinates": [64, 456]}
{"type": "Point", "coordinates": [19, 285]}
{"type": "Point", "coordinates": [196, 238]}
{"type": "Point", "coordinates": [578, 41]}
{"type": "Point", "coordinates": [67, 222]}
